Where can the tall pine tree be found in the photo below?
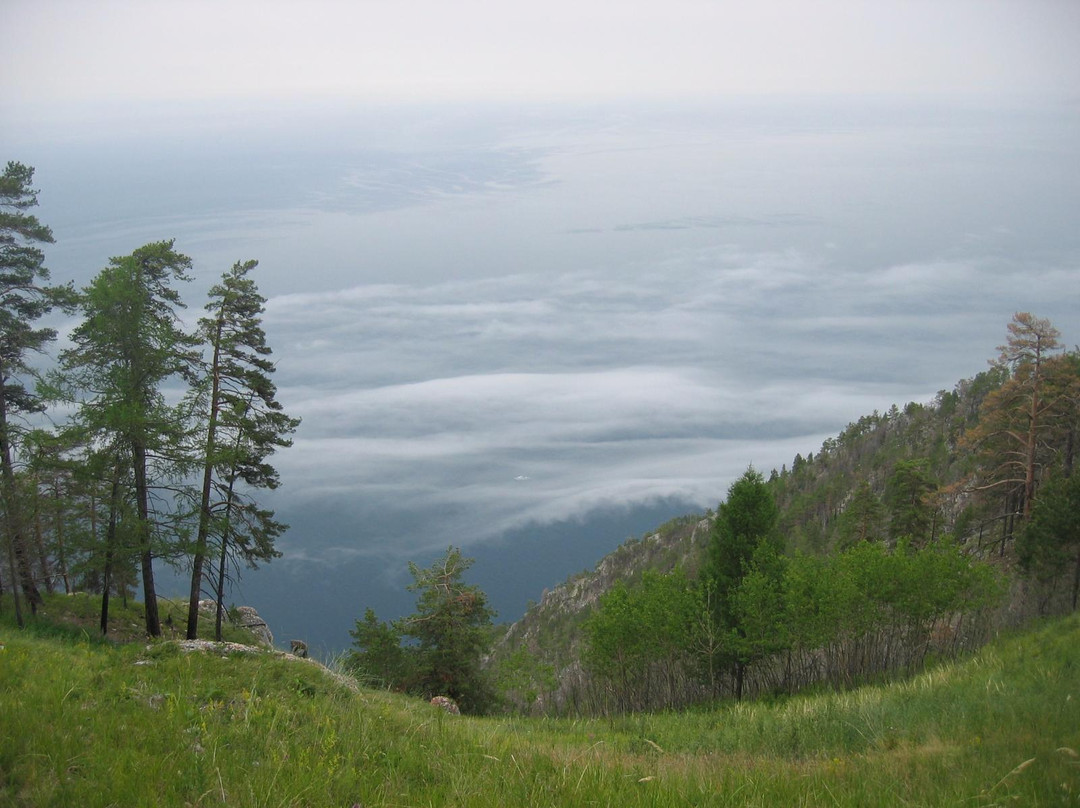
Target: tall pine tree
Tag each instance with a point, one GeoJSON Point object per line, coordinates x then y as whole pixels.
{"type": "Point", "coordinates": [1014, 419]}
{"type": "Point", "coordinates": [244, 425]}
{"type": "Point", "coordinates": [25, 297]}
{"type": "Point", "coordinates": [128, 347]}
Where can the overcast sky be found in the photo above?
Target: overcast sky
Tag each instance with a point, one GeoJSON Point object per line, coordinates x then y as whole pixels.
{"type": "Point", "coordinates": [58, 52]}
{"type": "Point", "coordinates": [542, 275]}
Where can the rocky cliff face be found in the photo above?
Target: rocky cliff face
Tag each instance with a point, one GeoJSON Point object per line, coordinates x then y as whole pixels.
{"type": "Point", "coordinates": [551, 628]}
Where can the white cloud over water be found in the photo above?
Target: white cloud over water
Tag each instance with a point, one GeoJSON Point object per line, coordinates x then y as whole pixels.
{"type": "Point", "coordinates": [493, 403]}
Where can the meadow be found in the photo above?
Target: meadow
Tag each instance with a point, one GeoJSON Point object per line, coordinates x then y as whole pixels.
{"type": "Point", "coordinates": [96, 723]}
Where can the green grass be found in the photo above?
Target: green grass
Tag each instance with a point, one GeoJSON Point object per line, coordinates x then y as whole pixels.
{"type": "Point", "coordinates": [82, 723]}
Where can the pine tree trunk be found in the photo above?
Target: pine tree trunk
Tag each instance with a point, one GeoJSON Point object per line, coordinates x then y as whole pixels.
{"type": "Point", "coordinates": [199, 555]}
{"type": "Point", "coordinates": [14, 586]}
{"type": "Point", "coordinates": [110, 543]}
{"type": "Point", "coordinates": [58, 530]}
{"type": "Point", "coordinates": [224, 560]}
{"type": "Point", "coordinates": [225, 530]}
{"type": "Point", "coordinates": [16, 537]}
{"type": "Point", "coordinates": [1029, 460]}
{"type": "Point", "coordinates": [221, 587]}
{"type": "Point", "coordinates": [91, 582]}
{"type": "Point", "coordinates": [39, 542]}
{"type": "Point", "coordinates": [1076, 581]}
{"type": "Point", "coordinates": [1033, 436]}
{"type": "Point", "coordinates": [142, 502]}
{"type": "Point", "coordinates": [1070, 444]}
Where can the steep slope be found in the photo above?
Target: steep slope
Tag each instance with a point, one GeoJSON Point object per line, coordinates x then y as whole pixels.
{"type": "Point", "coordinates": [550, 629]}
{"type": "Point", "coordinates": [905, 472]}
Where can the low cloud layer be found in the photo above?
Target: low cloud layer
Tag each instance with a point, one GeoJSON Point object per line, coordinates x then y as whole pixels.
{"type": "Point", "coordinates": [487, 405]}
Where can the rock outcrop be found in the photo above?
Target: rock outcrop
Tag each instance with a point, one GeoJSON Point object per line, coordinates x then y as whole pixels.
{"type": "Point", "coordinates": [245, 617]}
{"type": "Point", "coordinates": [248, 618]}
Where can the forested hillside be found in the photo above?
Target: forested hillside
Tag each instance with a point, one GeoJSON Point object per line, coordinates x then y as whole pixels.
{"type": "Point", "coordinates": [912, 534]}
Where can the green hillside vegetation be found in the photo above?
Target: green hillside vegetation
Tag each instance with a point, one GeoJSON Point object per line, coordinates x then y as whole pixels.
{"type": "Point", "coordinates": [93, 723]}
{"type": "Point", "coordinates": [914, 534]}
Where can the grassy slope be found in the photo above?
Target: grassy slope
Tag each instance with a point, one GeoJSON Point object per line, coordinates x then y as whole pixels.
{"type": "Point", "coordinates": [91, 724]}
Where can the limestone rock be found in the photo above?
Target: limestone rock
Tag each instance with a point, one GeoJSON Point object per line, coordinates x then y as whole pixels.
{"type": "Point", "coordinates": [248, 618]}
{"type": "Point", "coordinates": [210, 645]}
{"type": "Point", "coordinates": [244, 616]}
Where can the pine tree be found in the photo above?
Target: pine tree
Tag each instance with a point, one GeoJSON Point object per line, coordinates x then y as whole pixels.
{"type": "Point", "coordinates": [450, 627]}
{"type": "Point", "coordinates": [244, 425]}
{"type": "Point", "coordinates": [1050, 541]}
{"type": "Point", "coordinates": [127, 348]}
{"type": "Point", "coordinates": [25, 297]}
{"type": "Point", "coordinates": [863, 517]}
{"type": "Point", "coordinates": [909, 496]}
{"type": "Point", "coordinates": [1015, 418]}
{"type": "Point", "coordinates": [745, 522]}
{"type": "Point", "coordinates": [378, 655]}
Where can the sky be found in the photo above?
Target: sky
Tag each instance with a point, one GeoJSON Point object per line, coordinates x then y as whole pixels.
{"type": "Point", "coordinates": [59, 52]}
{"type": "Point", "coordinates": [540, 278]}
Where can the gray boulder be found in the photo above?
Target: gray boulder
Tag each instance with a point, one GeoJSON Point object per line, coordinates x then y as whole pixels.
{"type": "Point", "coordinates": [248, 618]}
